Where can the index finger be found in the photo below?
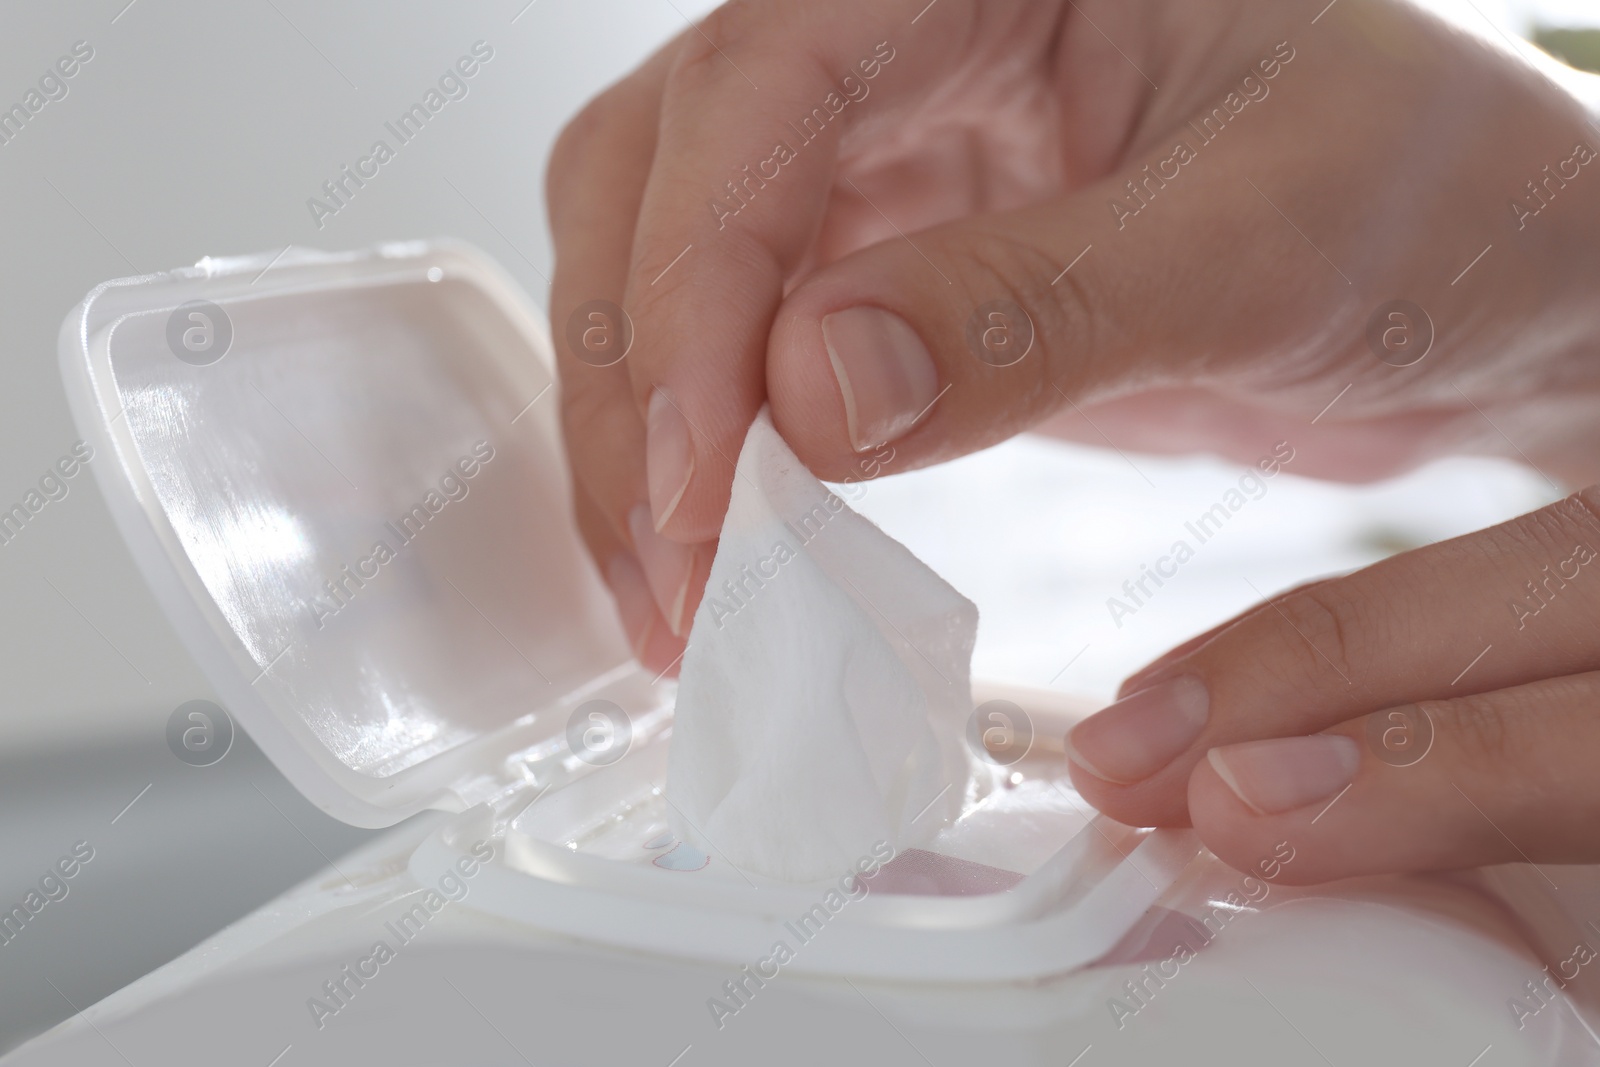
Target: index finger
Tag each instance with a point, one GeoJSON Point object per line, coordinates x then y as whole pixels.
{"type": "Point", "coordinates": [1495, 609]}
{"type": "Point", "coordinates": [751, 122]}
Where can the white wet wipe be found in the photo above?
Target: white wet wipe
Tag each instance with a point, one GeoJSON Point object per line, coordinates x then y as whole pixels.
{"type": "Point", "coordinates": [825, 689]}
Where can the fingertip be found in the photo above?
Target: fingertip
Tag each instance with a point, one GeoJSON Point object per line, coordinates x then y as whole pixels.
{"type": "Point", "coordinates": [1293, 848]}
{"type": "Point", "coordinates": [809, 407]}
{"type": "Point", "coordinates": [665, 563]}
{"type": "Point", "coordinates": [1134, 805]}
{"type": "Point", "coordinates": [669, 455]}
{"type": "Point", "coordinates": [675, 573]}
{"type": "Point", "coordinates": [1233, 831]}
{"type": "Point", "coordinates": [661, 653]}
{"type": "Point", "coordinates": [877, 350]}
{"type": "Point", "coordinates": [1214, 805]}
{"type": "Point", "coordinates": [649, 637]}
{"type": "Point", "coordinates": [1285, 774]}
{"type": "Point", "coordinates": [694, 433]}
{"type": "Point", "coordinates": [885, 375]}
{"type": "Point", "coordinates": [846, 383]}
{"type": "Point", "coordinates": [636, 607]}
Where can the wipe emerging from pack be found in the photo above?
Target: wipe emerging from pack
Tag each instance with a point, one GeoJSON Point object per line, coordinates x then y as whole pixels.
{"type": "Point", "coordinates": [823, 698]}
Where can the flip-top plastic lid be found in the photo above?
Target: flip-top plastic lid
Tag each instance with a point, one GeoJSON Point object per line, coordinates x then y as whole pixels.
{"type": "Point", "coordinates": [343, 479]}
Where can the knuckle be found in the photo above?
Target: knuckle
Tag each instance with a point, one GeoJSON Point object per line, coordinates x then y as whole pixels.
{"type": "Point", "coordinates": [1555, 528]}
{"type": "Point", "coordinates": [724, 32]}
{"type": "Point", "coordinates": [1588, 500]}
{"type": "Point", "coordinates": [733, 21]}
{"type": "Point", "coordinates": [1477, 729]}
{"type": "Point", "coordinates": [1538, 555]}
{"type": "Point", "coordinates": [1579, 517]}
{"type": "Point", "coordinates": [1516, 728]}
{"type": "Point", "coordinates": [991, 266]}
{"type": "Point", "coordinates": [1076, 316]}
{"type": "Point", "coordinates": [1321, 629]}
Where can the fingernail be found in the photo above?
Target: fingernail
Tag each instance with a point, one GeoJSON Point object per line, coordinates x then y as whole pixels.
{"type": "Point", "coordinates": [1141, 733]}
{"type": "Point", "coordinates": [1287, 772]}
{"type": "Point", "coordinates": [669, 455]}
{"type": "Point", "coordinates": [636, 606]}
{"type": "Point", "coordinates": [884, 370]}
{"type": "Point", "coordinates": [667, 566]}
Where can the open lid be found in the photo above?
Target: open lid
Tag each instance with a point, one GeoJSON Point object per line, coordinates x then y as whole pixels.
{"type": "Point", "coordinates": [342, 476]}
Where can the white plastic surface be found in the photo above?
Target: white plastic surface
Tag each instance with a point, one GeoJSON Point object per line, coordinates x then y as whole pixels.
{"type": "Point", "coordinates": [357, 518]}
{"type": "Point", "coordinates": [1063, 915]}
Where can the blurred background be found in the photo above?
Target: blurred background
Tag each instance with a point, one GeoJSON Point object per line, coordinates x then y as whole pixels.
{"type": "Point", "coordinates": [201, 129]}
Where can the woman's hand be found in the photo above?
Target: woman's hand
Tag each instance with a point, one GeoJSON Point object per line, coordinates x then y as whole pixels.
{"type": "Point", "coordinates": [1439, 709]}
{"type": "Point", "coordinates": [1200, 211]}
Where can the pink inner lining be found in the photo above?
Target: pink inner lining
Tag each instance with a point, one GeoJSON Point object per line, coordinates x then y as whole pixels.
{"type": "Point", "coordinates": [918, 872]}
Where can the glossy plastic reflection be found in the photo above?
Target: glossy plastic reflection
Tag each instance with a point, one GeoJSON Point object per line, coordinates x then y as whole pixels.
{"type": "Point", "coordinates": [348, 481]}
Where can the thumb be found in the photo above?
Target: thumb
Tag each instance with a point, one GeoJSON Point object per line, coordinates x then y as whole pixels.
{"type": "Point", "coordinates": [939, 343]}
{"type": "Point", "coordinates": [955, 338]}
